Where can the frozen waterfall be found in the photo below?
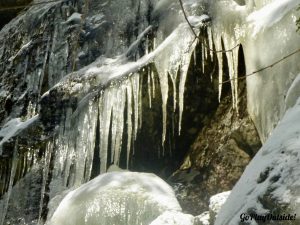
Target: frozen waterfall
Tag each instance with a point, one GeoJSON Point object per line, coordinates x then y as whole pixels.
{"type": "Point", "coordinates": [76, 70]}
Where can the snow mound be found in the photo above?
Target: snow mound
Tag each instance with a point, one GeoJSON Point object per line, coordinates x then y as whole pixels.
{"type": "Point", "coordinates": [117, 198]}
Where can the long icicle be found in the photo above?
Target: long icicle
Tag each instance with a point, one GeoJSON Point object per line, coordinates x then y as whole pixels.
{"type": "Point", "coordinates": [11, 180]}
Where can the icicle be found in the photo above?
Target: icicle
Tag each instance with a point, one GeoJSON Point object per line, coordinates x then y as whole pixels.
{"type": "Point", "coordinates": [114, 122]}
{"type": "Point", "coordinates": [129, 121]}
{"type": "Point", "coordinates": [118, 112]}
{"type": "Point", "coordinates": [173, 76]}
{"type": "Point", "coordinates": [153, 84]}
{"type": "Point", "coordinates": [183, 74]}
{"type": "Point", "coordinates": [135, 93]}
{"type": "Point", "coordinates": [235, 54]}
{"type": "Point", "coordinates": [105, 120]}
{"type": "Point", "coordinates": [205, 48]}
{"type": "Point", "coordinates": [140, 103]}
{"type": "Point", "coordinates": [210, 42]}
{"type": "Point", "coordinates": [91, 137]}
{"type": "Point", "coordinates": [220, 63]}
{"type": "Point", "coordinates": [80, 149]}
{"type": "Point", "coordinates": [149, 88]}
{"type": "Point", "coordinates": [164, 87]}
{"type": "Point", "coordinates": [203, 57]}
{"type": "Point", "coordinates": [195, 58]}
{"type": "Point", "coordinates": [231, 68]}
{"type": "Point", "coordinates": [47, 157]}
{"type": "Point", "coordinates": [68, 142]}
{"type": "Point", "coordinates": [11, 180]}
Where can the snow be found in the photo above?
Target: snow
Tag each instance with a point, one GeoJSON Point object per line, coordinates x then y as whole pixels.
{"type": "Point", "coordinates": [21, 51]}
{"type": "Point", "coordinates": [75, 17]}
{"type": "Point", "coordinates": [202, 219]}
{"type": "Point", "coordinates": [173, 218]}
{"type": "Point", "coordinates": [117, 198]}
{"type": "Point", "coordinates": [198, 21]}
{"type": "Point", "coordinates": [13, 128]}
{"type": "Point", "coordinates": [216, 202]}
{"type": "Point", "coordinates": [273, 173]}
{"type": "Point", "coordinates": [270, 14]}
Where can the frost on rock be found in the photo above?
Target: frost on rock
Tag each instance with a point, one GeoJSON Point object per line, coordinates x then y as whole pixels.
{"type": "Point", "coordinates": [116, 198]}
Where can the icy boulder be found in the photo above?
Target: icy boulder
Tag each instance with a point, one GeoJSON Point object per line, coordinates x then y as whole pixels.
{"type": "Point", "coordinates": [118, 198]}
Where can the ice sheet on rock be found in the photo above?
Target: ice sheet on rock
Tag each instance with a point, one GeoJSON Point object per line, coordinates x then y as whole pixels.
{"type": "Point", "coordinates": [270, 14]}
{"type": "Point", "coordinates": [275, 167]}
{"type": "Point", "coordinates": [116, 198]}
{"type": "Point", "coordinates": [13, 128]}
{"type": "Point", "coordinates": [173, 218]}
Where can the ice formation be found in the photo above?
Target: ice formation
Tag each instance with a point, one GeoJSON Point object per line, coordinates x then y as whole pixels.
{"type": "Point", "coordinates": [101, 88]}
{"type": "Point", "coordinates": [117, 198]}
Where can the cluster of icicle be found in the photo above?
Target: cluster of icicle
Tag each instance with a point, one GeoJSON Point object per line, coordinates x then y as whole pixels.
{"type": "Point", "coordinates": [119, 107]}
{"type": "Point", "coordinates": [118, 110]}
{"type": "Point", "coordinates": [230, 50]}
